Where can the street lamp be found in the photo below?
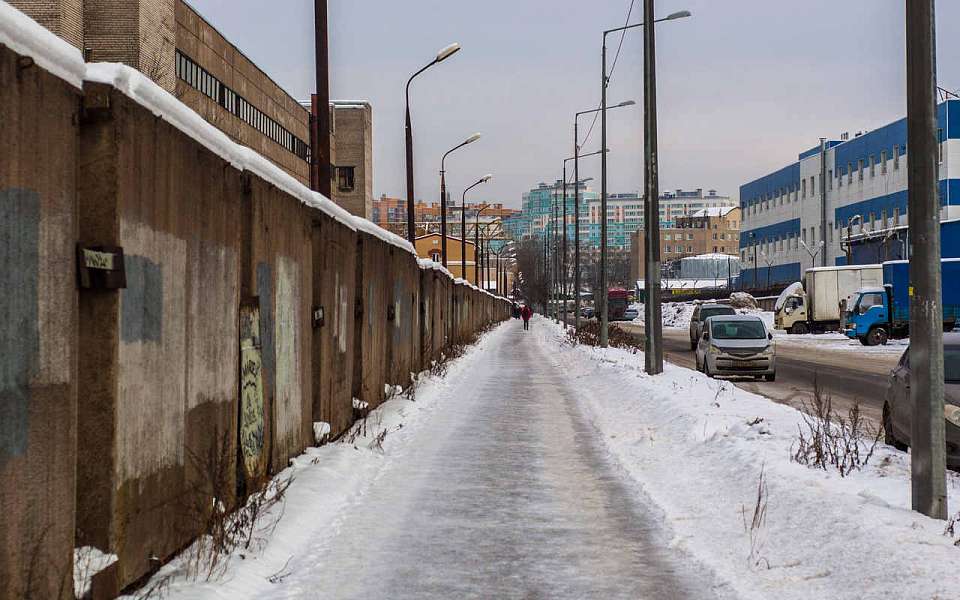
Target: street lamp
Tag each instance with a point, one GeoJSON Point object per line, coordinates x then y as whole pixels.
{"type": "Point", "coordinates": [463, 226]}
{"type": "Point", "coordinates": [652, 256]}
{"type": "Point", "coordinates": [812, 251]}
{"type": "Point", "coordinates": [442, 55]}
{"type": "Point", "coordinates": [443, 195]}
{"type": "Point", "coordinates": [476, 246]}
{"type": "Point", "coordinates": [576, 201]}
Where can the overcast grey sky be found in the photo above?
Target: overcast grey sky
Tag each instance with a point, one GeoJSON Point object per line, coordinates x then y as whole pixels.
{"type": "Point", "coordinates": [744, 85]}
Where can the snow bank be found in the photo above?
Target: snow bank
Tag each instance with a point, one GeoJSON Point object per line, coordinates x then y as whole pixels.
{"type": "Point", "coordinates": [26, 37]}
{"type": "Point", "coordinates": [697, 447]}
{"type": "Point", "coordinates": [87, 562]}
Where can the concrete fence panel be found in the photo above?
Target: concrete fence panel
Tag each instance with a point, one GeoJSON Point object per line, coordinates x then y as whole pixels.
{"type": "Point", "coordinates": [158, 357]}
{"type": "Point", "coordinates": [38, 352]}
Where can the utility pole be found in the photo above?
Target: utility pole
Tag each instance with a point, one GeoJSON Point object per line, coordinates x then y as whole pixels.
{"type": "Point", "coordinates": [653, 344]}
{"type": "Point", "coordinates": [604, 321]}
{"type": "Point", "coordinates": [563, 251]}
{"type": "Point", "coordinates": [321, 150]}
{"type": "Point", "coordinates": [576, 226]}
{"type": "Point", "coordinates": [927, 447]}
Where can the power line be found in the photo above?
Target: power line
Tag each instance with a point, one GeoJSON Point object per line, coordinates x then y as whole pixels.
{"type": "Point", "coordinates": [613, 66]}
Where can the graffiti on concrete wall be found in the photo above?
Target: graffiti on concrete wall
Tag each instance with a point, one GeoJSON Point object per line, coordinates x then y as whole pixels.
{"type": "Point", "coordinates": [251, 392]}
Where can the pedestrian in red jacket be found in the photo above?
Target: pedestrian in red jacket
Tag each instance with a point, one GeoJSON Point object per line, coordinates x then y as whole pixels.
{"type": "Point", "coordinates": [526, 313]}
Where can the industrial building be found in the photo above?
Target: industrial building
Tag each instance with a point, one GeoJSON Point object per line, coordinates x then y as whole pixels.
{"type": "Point", "coordinates": [842, 202]}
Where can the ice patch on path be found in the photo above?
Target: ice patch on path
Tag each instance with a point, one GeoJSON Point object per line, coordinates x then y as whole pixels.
{"type": "Point", "coordinates": [87, 562]}
{"type": "Point", "coordinates": [697, 447]}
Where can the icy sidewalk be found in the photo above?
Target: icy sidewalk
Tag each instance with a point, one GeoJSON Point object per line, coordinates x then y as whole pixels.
{"type": "Point", "coordinates": [328, 483]}
{"type": "Point", "coordinates": [697, 447]}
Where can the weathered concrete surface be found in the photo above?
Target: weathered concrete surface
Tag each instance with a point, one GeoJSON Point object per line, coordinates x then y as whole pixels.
{"type": "Point", "coordinates": [279, 273]}
{"type": "Point", "coordinates": [370, 342]}
{"type": "Point", "coordinates": [38, 352]}
{"type": "Point", "coordinates": [334, 291]}
{"type": "Point", "coordinates": [157, 410]}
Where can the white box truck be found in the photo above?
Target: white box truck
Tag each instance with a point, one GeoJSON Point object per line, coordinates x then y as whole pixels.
{"type": "Point", "coordinates": [820, 303]}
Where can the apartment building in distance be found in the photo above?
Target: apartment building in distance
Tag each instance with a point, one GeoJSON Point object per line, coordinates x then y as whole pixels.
{"type": "Point", "coordinates": [391, 214]}
{"type": "Point", "coordinates": [713, 230]}
{"type": "Point", "coordinates": [183, 53]}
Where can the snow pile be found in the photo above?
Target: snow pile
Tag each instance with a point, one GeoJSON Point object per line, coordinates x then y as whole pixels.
{"type": "Point", "coordinates": [87, 562]}
{"type": "Point", "coordinates": [26, 37]}
{"type": "Point", "coordinates": [742, 300]}
{"type": "Point", "coordinates": [677, 314]}
{"type": "Point", "coordinates": [697, 448]}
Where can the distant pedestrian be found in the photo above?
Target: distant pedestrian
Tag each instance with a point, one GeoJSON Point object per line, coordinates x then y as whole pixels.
{"type": "Point", "coordinates": [526, 313]}
{"type": "Point", "coordinates": [516, 311]}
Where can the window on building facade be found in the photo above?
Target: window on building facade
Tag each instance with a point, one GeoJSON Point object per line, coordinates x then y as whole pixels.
{"type": "Point", "coordinates": [803, 188]}
{"type": "Point", "coordinates": [813, 186]}
{"type": "Point", "coordinates": [883, 162]}
{"type": "Point", "coordinates": [873, 169]}
{"type": "Point", "coordinates": [849, 172]}
{"type": "Point", "coordinates": [896, 216]}
{"type": "Point", "coordinates": [883, 218]}
{"type": "Point", "coordinates": [872, 220]}
{"type": "Point", "coordinates": [940, 145]}
{"type": "Point", "coordinates": [896, 157]}
{"type": "Point", "coordinates": [345, 179]}
{"type": "Point", "coordinates": [666, 250]}
{"type": "Point", "coordinates": [803, 234]}
{"type": "Point", "coordinates": [860, 169]}
{"type": "Point", "coordinates": [830, 179]}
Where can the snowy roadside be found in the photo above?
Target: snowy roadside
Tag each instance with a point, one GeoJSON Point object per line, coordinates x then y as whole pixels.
{"type": "Point", "coordinates": [328, 481]}
{"type": "Point", "coordinates": [697, 447]}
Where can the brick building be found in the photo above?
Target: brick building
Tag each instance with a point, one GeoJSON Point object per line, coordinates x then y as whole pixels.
{"type": "Point", "coordinates": [352, 157]}
{"type": "Point", "coordinates": [185, 54]}
{"type": "Point", "coordinates": [706, 231]}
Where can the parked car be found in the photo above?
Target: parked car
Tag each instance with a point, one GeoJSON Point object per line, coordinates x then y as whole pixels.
{"type": "Point", "coordinates": [630, 313]}
{"type": "Point", "coordinates": [586, 312]}
{"type": "Point", "coordinates": [898, 409]}
{"type": "Point", "coordinates": [700, 314]}
{"type": "Point", "coordinates": [736, 345]}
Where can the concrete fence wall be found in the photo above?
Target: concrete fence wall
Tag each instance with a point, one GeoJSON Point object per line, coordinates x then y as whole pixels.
{"type": "Point", "coordinates": [247, 316]}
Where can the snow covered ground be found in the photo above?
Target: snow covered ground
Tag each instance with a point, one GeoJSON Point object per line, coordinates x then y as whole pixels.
{"type": "Point", "coordinates": [535, 441]}
{"type": "Point", "coordinates": [698, 446]}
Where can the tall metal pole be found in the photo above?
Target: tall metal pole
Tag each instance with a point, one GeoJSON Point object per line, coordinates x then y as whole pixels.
{"type": "Point", "coordinates": [927, 447]}
{"type": "Point", "coordinates": [823, 200]}
{"type": "Point", "coordinates": [443, 214]}
{"type": "Point", "coordinates": [411, 204]}
{"type": "Point", "coordinates": [653, 350]}
{"type": "Point", "coordinates": [563, 252]}
{"type": "Point", "coordinates": [603, 197]}
{"type": "Point", "coordinates": [322, 145]}
{"type": "Point", "coordinates": [476, 249]}
{"type": "Point", "coordinates": [576, 226]}
{"type": "Point", "coordinates": [463, 236]}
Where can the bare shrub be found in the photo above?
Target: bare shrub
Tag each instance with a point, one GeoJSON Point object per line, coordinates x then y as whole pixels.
{"type": "Point", "coordinates": [827, 440]}
{"type": "Point", "coordinates": [755, 528]}
{"type": "Point", "coordinates": [589, 335]}
{"type": "Point", "coordinates": [207, 510]}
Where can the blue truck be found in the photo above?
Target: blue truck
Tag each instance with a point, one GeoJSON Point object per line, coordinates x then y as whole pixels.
{"type": "Point", "coordinates": [877, 314]}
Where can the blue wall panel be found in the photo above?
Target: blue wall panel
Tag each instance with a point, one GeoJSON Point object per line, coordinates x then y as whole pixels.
{"type": "Point", "coordinates": [761, 235]}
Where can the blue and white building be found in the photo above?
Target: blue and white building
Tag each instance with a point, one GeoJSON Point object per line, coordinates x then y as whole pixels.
{"type": "Point", "coordinates": [838, 195]}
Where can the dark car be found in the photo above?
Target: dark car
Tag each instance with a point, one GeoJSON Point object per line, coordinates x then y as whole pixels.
{"type": "Point", "coordinates": [898, 410]}
{"type": "Point", "coordinates": [701, 313]}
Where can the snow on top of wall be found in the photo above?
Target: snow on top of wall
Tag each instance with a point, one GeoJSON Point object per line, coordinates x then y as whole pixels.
{"type": "Point", "coordinates": [26, 37]}
{"type": "Point", "coordinates": [144, 91]}
{"type": "Point", "coordinates": [389, 237]}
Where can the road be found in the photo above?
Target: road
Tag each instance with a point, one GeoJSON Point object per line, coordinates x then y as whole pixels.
{"type": "Point", "coordinates": [505, 494]}
{"type": "Point", "coordinates": [848, 376]}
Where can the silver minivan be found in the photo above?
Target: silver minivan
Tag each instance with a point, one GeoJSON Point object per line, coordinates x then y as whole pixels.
{"type": "Point", "coordinates": [701, 313]}
{"type": "Point", "coordinates": [736, 345]}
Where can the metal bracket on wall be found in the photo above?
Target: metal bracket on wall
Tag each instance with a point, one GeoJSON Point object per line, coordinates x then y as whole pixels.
{"type": "Point", "coordinates": [100, 267]}
{"type": "Point", "coordinates": [317, 317]}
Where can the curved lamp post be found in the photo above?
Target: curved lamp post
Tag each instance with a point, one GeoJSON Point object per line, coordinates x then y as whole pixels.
{"type": "Point", "coordinates": [476, 246]}
{"type": "Point", "coordinates": [652, 216]}
{"type": "Point", "coordinates": [463, 226]}
{"type": "Point", "coordinates": [442, 55]}
{"type": "Point", "coordinates": [443, 195]}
